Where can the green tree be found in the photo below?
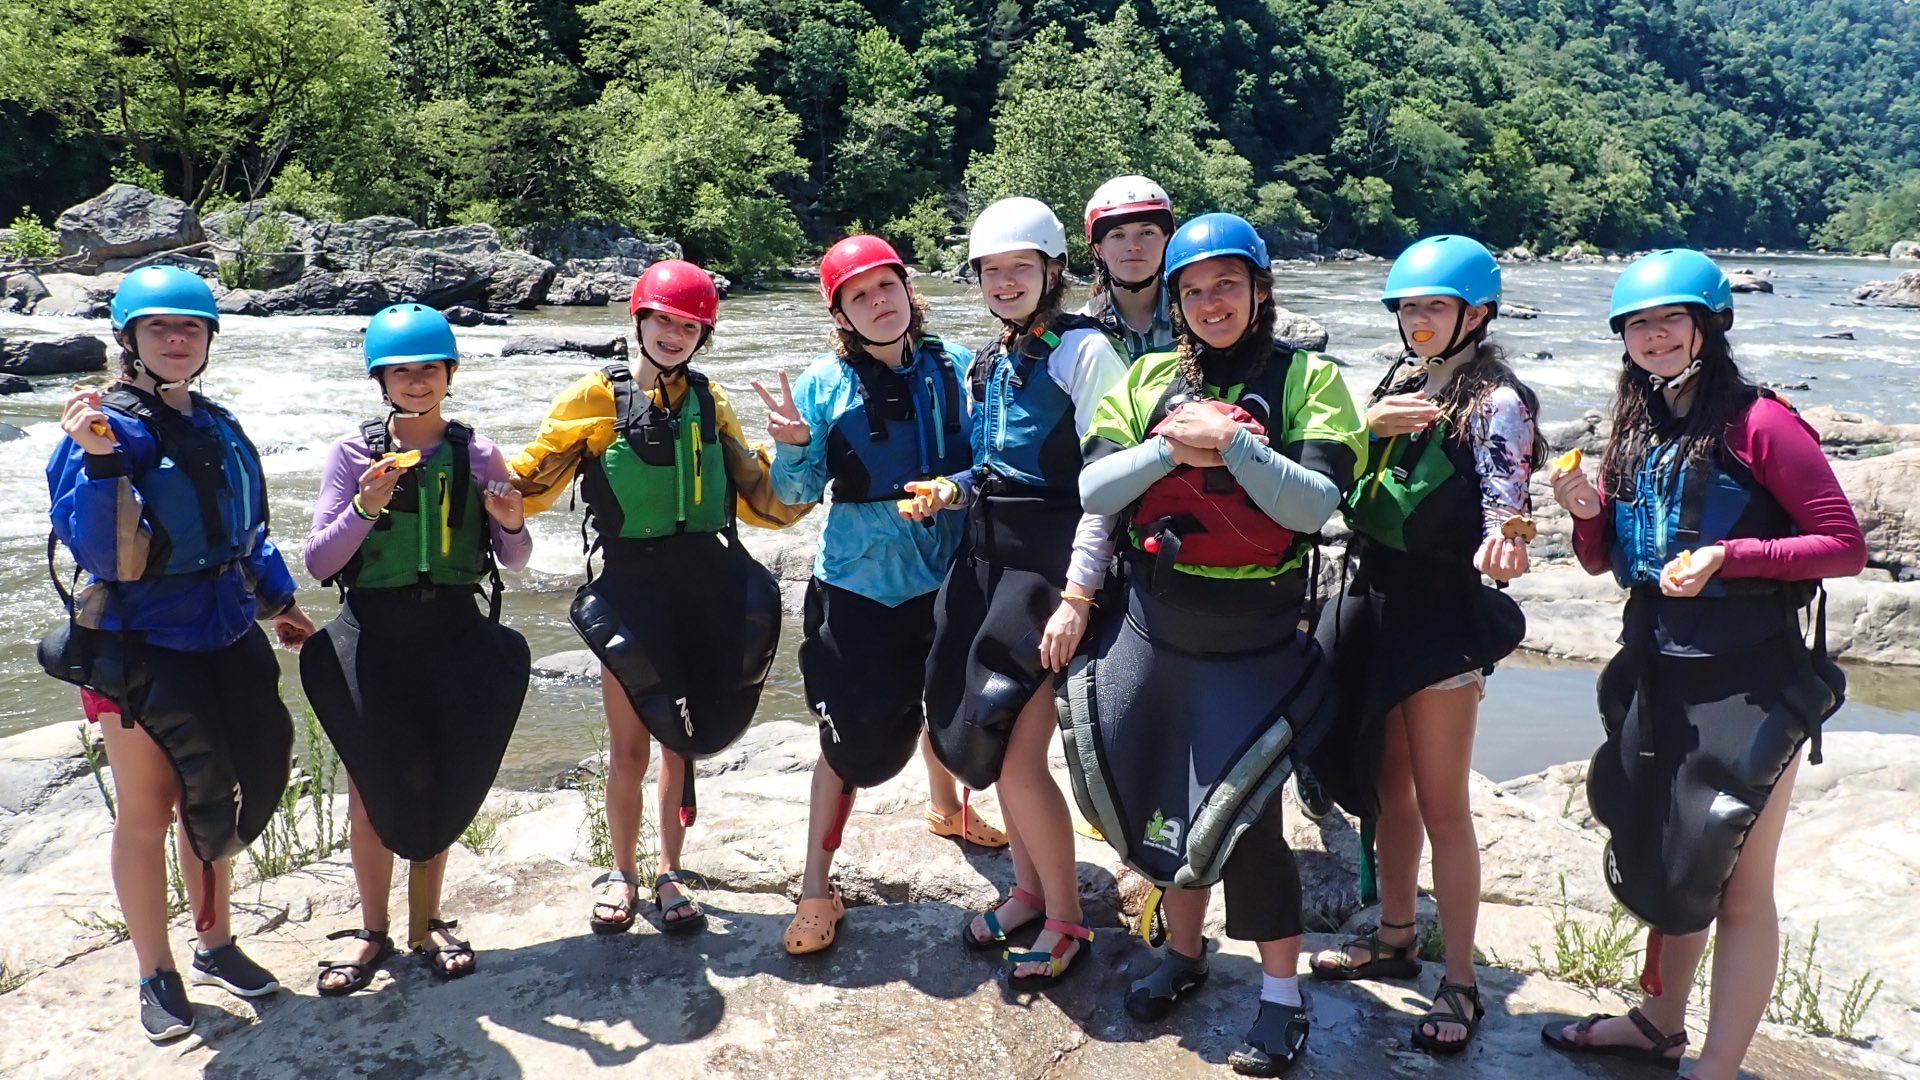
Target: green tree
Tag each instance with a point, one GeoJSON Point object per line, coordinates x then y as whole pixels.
{"type": "Point", "coordinates": [896, 131]}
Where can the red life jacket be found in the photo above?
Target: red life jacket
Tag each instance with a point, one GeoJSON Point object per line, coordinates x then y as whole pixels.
{"type": "Point", "coordinates": [1206, 517]}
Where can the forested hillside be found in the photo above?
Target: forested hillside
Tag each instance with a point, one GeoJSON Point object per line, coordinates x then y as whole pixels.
{"type": "Point", "coordinates": [752, 130]}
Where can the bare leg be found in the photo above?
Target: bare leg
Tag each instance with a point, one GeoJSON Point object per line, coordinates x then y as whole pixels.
{"type": "Point", "coordinates": [144, 793]}
{"type": "Point", "coordinates": [673, 835]}
{"type": "Point", "coordinates": [943, 791]}
{"type": "Point", "coordinates": [1031, 798]}
{"type": "Point", "coordinates": [1279, 958]}
{"type": "Point", "coordinates": [373, 873]}
{"type": "Point", "coordinates": [1186, 914]}
{"type": "Point", "coordinates": [1399, 835]}
{"type": "Point", "coordinates": [1440, 735]}
{"type": "Point", "coordinates": [1746, 955]}
{"type": "Point", "coordinates": [627, 751]}
{"type": "Point", "coordinates": [435, 870]}
{"type": "Point", "coordinates": [815, 883]}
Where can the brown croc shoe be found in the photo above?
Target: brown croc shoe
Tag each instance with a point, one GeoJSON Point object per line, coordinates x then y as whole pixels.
{"type": "Point", "coordinates": [814, 924]}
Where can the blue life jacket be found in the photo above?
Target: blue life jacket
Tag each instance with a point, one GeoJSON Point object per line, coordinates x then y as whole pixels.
{"type": "Point", "coordinates": [905, 428]}
{"type": "Point", "coordinates": [1027, 433]}
{"type": "Point", "coordinates": [199, 500]}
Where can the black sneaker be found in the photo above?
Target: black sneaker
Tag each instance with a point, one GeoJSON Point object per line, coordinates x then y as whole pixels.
{"type": "Point", "coordinates": [165, 1012]}
{"type": "Point", "coordinates": [1314, 800]}
{"type": "Point", "coordinates": [1276, 1041]}
{"type": "Point", "coordinates": [233, 971]}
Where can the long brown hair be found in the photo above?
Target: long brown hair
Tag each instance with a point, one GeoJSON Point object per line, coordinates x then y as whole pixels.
{"type": "Point", "coordinates": [1720, 395]}
{"type": "Point", "coordinates": [1463, 397]}
{"type": "Point", "coordinates": [1259, 336]}
{"type": "Point", "coordinates": [847, 345]}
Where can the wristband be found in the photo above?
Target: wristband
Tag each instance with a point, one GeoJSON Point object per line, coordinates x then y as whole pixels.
{"type": "Point", "coordinates": [1078, 599]}
{"type": "Point", "coordinates": [360, 511]}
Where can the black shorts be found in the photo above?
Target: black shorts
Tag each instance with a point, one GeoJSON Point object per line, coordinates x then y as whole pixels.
{"type": "Point", "coordinates": [864, 666]}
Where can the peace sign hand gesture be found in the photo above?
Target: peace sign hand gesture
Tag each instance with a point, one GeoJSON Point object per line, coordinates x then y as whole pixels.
{"type": "Point", "coordinates": [783, 420]}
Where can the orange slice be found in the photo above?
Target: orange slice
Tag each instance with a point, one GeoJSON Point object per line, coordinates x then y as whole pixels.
{"type": "Point", "coordinates": [1422, 336]}
{"type": "Point", "coordinates": [99, 427]}
{"type": "Point", "coordinates": [406, 459]}
{"type": "Point", "coordinates": [1568, 461]}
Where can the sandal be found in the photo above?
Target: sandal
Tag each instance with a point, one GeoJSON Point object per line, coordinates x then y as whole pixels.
{"type": "Point", "coordinates": [992, 920]}
{"type": "Point", "coordinates": [440, 958]}
{"type": "Point", "coordinates": [1383, 961]}
{"type": "Point", "coordinates": [613, 894]}
{"type": "Point", "coordinates": [684, 924]}
{"type": "Point", "coordinates": [362, 971]}
{"type": "Point", "coordinates": [1555, 1035]}
{"type": "Point", "coordinates": [1276, 1040]}
{"type": "Point", "coordinates": [1446, 1010]}
{"type": "Point", "coordinates": [967, 825]}
{"type": "Point", "coordinates": [815, 924]}
{"type": "Point", "coordinates": [1057, 967]}
{"type": "Point", "coordinates": [1156, 996]}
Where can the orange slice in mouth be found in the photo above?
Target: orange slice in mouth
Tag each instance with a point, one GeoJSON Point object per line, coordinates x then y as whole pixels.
{"type": "Point", "coordinates": [406, 459]}
{"type": "Point", "coordinates": [1568, 461]}
{"type": "Point", "coordinates": [1421, 337]}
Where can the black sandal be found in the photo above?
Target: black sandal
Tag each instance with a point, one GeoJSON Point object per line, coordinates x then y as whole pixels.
{"type": "Point", "coordinates": [685, 924]}
{"type": "Point", "coordinates": [1446, 1010]}
{"type": "Point", "coordinates": [440, 958]}
{"type": "Point", "coordinates": [363, 971]}
{"type": "Point", "coordinates": [1277, 1039]}
{"type": "Point", "coordinates": [610, 894]}
{"type": "Point", "coordinates": [1383, 961]}
{"type": "Point", "coordinates": [1555, 1035]}
{"type": "Point", "coordinates": [1156, 996]}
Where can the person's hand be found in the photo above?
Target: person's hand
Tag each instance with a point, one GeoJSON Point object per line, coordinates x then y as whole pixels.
{"type": "Point", "coordinates": [1575, 493]}
{"type": "Point", "coordinates": [1501, 558]}
{"type": "Point", "coordinates": [1401, 414]}
{"type": "Point", "coordinates": [292, 627]}
{"type": "Point", "coordinates": [377, 484]}
{"type": "Point", "coordinates": [1183, 454]}
{"type": "Point", "coordinates": [783, 419]}
{"type": "Point", "coordinates": [503, 506]}
{"type": "Point", "coordinates": [1200, 425]}
{"type": "Point", "coordinates": [85, 424]}
{"type": "Point", "coordinates": [1061, 639]}
{"type": "Point", "coordinates": [1688, 572]}
{"type": "Point", "coordinates": [926, 498]}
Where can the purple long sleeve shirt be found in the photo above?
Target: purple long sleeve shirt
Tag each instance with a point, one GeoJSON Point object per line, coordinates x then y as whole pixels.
{"type": "Point", "coordinates": [337, 532]}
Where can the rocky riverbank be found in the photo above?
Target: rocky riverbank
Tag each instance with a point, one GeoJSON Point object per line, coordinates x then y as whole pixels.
{"type": "Point", "coordinates": [897, 996]}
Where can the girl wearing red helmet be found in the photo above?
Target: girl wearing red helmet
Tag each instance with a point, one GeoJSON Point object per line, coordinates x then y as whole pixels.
{"type": "Point", "coordinates": [880, 419]}
{"type": "Point", "coordinates": [683, 620]}
{"type": "Point", "coordinates": [1129, 220]}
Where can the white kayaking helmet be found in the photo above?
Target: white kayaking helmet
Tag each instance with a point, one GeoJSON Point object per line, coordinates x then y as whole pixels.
{"type": "Point", "coordinates": [1016, 224]}
{"type": "Point", "coordinates": [1130, 197]}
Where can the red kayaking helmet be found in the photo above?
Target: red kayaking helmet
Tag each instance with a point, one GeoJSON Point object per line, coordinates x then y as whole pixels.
{"type": "Point", "coordinates": [676, 287]}
{"type": "Point", "coordinates": [852, 256]}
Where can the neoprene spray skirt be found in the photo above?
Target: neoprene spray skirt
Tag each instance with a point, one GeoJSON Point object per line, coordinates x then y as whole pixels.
{"type": "Point", "coordinates": [419, 692]}
{"type": "Point", "coordinates": [985, 661]}
{"type": "Point", "coordinates": [1181, 727]}
{"type": "Point", "coordinates": [865, 667]}
{"type": "Point", "coordinates": [688, 626]}
{"type": "Point", "coordinates": [1400, 624]}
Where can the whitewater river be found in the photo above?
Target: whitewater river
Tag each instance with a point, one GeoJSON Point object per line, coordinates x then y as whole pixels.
{"type": "Point", "coordinates": [297, 383]}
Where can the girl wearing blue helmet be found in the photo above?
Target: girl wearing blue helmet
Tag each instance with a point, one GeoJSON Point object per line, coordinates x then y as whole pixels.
{"type": "Point", "coordinates": [1718, 512]}
{"type": "Point", "coordinates": [1185, 708]}
{"type": "Point", "coordinates": [417, 689]}
{"type": "Point", "coordinates": [1413, 632]}
{"type": "Point", "coordinates": [162, 500]}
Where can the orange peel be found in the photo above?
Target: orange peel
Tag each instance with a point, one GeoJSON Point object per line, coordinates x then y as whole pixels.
{"type": "Point", "coordinates": [1568, 461]}
{"type": "Point", "coordinates": [405, 459]}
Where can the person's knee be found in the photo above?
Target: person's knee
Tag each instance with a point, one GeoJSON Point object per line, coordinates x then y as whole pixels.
{"type": "Point", "coordinates": [627, 759]}
{"type": "Point", "coordinates": [145, 818]}
{"type": "Point", "coordinates": [1397, 796]}
{"type": "Point", "coordinates": [1748, 903]}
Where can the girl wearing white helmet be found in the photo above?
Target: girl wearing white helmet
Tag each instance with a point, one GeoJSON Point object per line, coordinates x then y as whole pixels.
{"type": "Point", "coordinates": [1022, 588]}
{"type": "Point", "coordinates": [1129, 220]}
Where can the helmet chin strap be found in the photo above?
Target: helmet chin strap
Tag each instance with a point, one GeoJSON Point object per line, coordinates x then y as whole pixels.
{"type": "Point", "coordinates": [1130, 286]}
{"type": "Point", "coordinates": [1659, 382]}
{"type": "Point", "coordinates": [1454, 341]}
{"type": "Point", "coordinates": [140, 368]}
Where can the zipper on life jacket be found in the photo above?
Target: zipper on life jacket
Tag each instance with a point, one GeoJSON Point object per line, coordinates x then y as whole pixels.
{"type": "Point", "coordinates": [1380, 473]}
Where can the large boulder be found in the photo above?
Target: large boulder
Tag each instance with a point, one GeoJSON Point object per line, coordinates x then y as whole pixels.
{"type": "Point", "coordinates": [126, 221]}
{"type": "Point", "coordinates": [1850, 435]}
{"type": "Point", "coordinates": [256, 223]}
{"type": "Point", "coordinates": [462, 315]}
{"type": "Point", "coordinates": [540, 345]}
{"type": "Point", "coordinates": [596, 238]}
{"type": "Point", "coordinates": [577, 292]}
{"type": "Point", "coordinates": [453, 239]}
{"type": "Point", "coordinates": [1885, 492]}
{"type": "Point", "coordinates": [1904, 249]}
{"type": "Point", "coordinates": [427, 276]}
{"type": "Point", "coordinates": [15, 384]}
{"type": "Point", "coordinates": [1300, 331]}
{"type": "Point", "coordinates": [350, 245]}
{"type": "Point", "coordinates": [1901, 292]}
{"type": "Point", "coordinates": [243, 302]}
{"type": "Point", "coordinates": [515, 279]}
{"type": "Point", "coordinates": [70, 355]}
{"type": "Point", "coordinates": [21, 292]}
{"type": "Point", "coordinates": [1749, 281]}
{"type": "Point", "coordinates": [613, 276]}
{"type": "Point", "coordinates": [84, 296]}
{"type": "Point", "coordinates": [323, 292]}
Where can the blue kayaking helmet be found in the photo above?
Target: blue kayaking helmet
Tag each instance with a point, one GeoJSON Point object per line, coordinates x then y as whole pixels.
{"type": "Point", "coordinates": [162, 290]}
{"type": "Point", "coordinates": [1457, 266]}
{"type": "Point", "coordinates": [1670, 276]}
{"type": "Point", "coordinates": [1212, 235]}
{"type": "Point", "coordinates": [409, 334]}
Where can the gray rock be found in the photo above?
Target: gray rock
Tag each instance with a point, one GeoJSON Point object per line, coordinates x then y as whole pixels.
{"type": "Point", "coordinates": [8, 433]}
{"type": "Point", "coordinates": [228, 229]}
{"type": "Point", "coordinates": [1520, 254]}
{"type": "Point", "coordinates": [1904, 249]}
{"type": "Point", "coordinates": [1746, 281]}
{"type": "Point", "coordinates": [453, 239]}
{"type": "Point", "coordinates": [1849, 435]}
{"type": "Point", "coordinates": [350, 245]}
{"type": "Point", "coordinates": [1301, 331]}
{"type": "Point", "coordinates": [1588, 433]}
{"type": "Point", "coordinates": [595, 238]}
{"type": "Point", "coordinates": [126, 221]}
{"type": "Point", "coordinates": [15, 384]}
{"type": "Point", "coordinates": [573, 665]}
{"type": "Point", "coordinates": [1885, 492]}
{"type": "Point", "coordinates": [1838, 335]}
{"type": "Point", "coordinates": [461, 315]}
{"type": "Point", "coordinates": [537, 345]}
{"type": "Point", "coordinates": [1518, 311]}
{"type": "Point", "coordinates": [426, 276]}
{"type": "Point", "coordinates": [577, 291]}
{"type": "Point", "coordinates": [1383, 355]}
{"type": "Point", "coordinates": [68, 355]}
{"type": "Point", "coordinates": [1902, 292]}
{"type": "Point", "coordinates": [84, 296]}
{"type": "Point", "coordinates": [516, 279]}
{"type": "Point", "coordinates": [243, 302]}
{"type": "Point", "coordinates": [323, 292]}
{"type": "Point", "coordinates": [21, 292]}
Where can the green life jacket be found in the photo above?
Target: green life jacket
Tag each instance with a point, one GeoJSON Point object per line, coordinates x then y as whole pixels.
{"type": "Point", "coordinates": [1402, 473]}
{"type": "Point", "coordinates": [665, 473]}
{"type": "Point", "coordinates": [434, 531]}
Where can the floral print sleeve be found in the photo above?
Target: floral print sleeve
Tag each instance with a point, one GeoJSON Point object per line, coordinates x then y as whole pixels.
{"type": "Point", "coordinates": [1502, 432]}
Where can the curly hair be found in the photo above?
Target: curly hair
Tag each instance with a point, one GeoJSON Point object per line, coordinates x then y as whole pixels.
{"type": "Point", "coordinates": [1258, 337]}
{"type": "Point", "coordinates": [847, 345]}
{"type": "Point", "coordinates": [1486, 371]}
{"type": "Point", "coordinates": [1720, 395]}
